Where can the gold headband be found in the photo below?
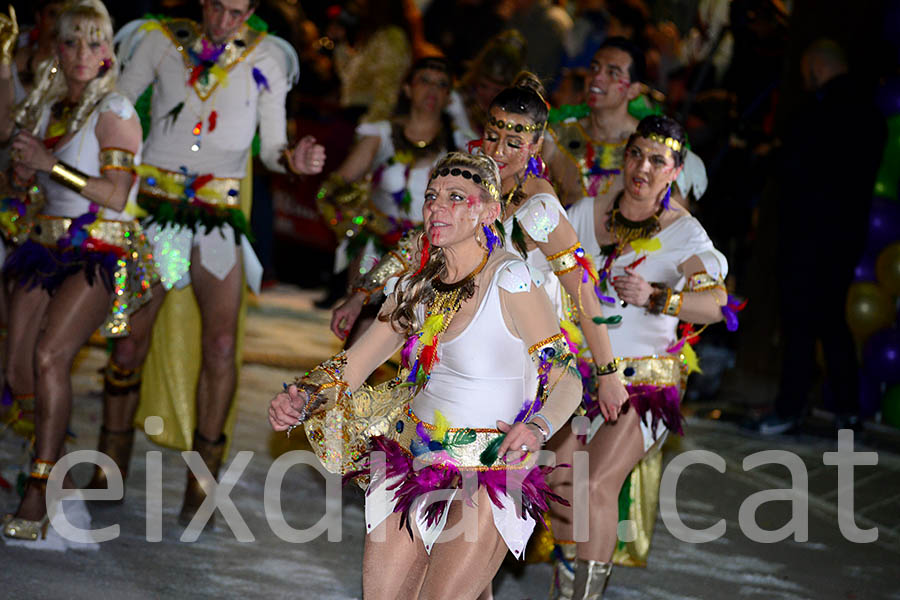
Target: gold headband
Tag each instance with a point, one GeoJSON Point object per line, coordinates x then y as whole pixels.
{"type": "Point", "coordinates": [458, 172]}
{"type": "Point", "coordinates": [517, 127]}
{"type": "Point", "coordinates": [665, 141]}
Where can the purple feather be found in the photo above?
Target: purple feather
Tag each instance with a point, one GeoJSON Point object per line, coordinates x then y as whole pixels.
{"type": "Point", "coordinates": [33, 264]}
{"type": "Point", "coordinates": [260, 79]}
{"type": "Point", "coordinates": [603, 297]}
{"type": "Point", "coordinates": [408, 349]}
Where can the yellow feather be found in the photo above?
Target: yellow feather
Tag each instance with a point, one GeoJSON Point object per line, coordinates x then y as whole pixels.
{"type": "Point", "coordinates": [431, 327]}
{"type": "Point", "coordinates": [646, 245]}
{"type": "Point", "coordinates": [573, 331]}
{"type": "Point", "coordinates": [220, 74]}
{"type": "Point", "coordinates": [151, 25]}
{"type": "Point", "coordinates": [441, 425]}
{"type": "Point", "coordinates": [690, 359]}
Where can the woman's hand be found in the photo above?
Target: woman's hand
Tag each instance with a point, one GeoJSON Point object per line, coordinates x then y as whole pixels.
{"type": "Point", "coordinates": [31, 153]}
{"type": "Point", "coordinates": [307, 157]}
{"type": "Point", "coordinates": [345, 315]}
{"type": "Point", "coordinates": [521, 438]}
{"type": "Point", "coordinates": [287, 408]}
{"type": "Point", "coordinates": [632, 288]}
{"type": "Point", "coordinates": [611, 396]}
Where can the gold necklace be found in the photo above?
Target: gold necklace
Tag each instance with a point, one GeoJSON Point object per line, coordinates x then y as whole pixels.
{"type": "Point", "coordinates": [448, 297]}
{"type": "Point", "coordinates": [625, 231]}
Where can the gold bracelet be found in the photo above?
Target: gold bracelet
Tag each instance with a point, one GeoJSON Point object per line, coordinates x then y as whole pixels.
{"type": "Point", "coordinates": [609, 368]}
{"type": "Point", "coordinates": [563, 262]}
{"type": "Point", "coordinates": [673, 303]}
{"type": "Point", "coordinates": [68, 176]}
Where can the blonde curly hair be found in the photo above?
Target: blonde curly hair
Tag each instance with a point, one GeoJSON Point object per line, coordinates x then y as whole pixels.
{"type": "Point", "coordinates": [417, 289]}
{"type": "Point", "coordinates": [86, 19]}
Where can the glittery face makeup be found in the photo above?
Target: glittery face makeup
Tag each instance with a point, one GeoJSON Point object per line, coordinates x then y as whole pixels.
{"type": "Point", "coordinates": [509, 149]}
{"type": "Point", "coordinates": [649, 167]}
{"type": "Point", "coordinates": [608, 82]}
{"type": "Point", "coordinates": [453, 210]}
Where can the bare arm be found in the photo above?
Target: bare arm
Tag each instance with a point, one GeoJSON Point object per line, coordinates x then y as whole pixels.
{"type": "Point", "coordinates": [111, 188]}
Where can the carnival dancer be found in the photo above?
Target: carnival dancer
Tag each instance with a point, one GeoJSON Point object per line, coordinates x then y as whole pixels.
{"type": "Point", "coordinates": [213, 83]}
{"type": "Point", "coordinates": [397, 155]}
{"type": "Point", "coordinates": [86, 263]}
{"type": "Point", "coordinates": [586, 154]}
{"type": "Point", "coordinates": [487, 378]}
{"type": "Point", "coordinates": [662, 268]}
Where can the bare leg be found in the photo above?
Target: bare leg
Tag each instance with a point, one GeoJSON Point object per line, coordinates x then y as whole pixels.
{"type": "Point", "coordinates": [129, 353]}
{"type": "Point", "coordinates": [395, 567]}
{"type": "Point", "coordinates": [27, 309]}
{"type": "Point", "coordinates": [460, 569]}
{"type": "Point", "coordinates": [614, 451]}
{"type": "Point", "coordinates": [73, 314]}
{"type": "Point", "coordinates": [564, 444]}
{"type": "Point", "coordinates": [219, 302]}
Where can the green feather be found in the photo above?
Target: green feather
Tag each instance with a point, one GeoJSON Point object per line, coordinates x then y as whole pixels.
{"type": "Point", "coordinates": [518, 238]}
{"type": "Point", "coordinates": [613, 320]}
{"type": "Point", "coordinates": [490, 454]}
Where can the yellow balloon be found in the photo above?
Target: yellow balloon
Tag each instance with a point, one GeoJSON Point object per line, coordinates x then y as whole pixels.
{"type": "Point", "coordinates": [869, 308]}
{"type": "Point", "coordinates": [888, 268]}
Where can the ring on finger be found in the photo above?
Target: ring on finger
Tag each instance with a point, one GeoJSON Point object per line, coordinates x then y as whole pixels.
{"type": "Point", "coordinates": [523, 448]}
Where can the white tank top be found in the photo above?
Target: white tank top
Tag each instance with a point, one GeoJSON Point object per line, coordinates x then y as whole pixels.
{"type": "Point", "coordinates": [82, 151]}
{"type": "Point", "coordinates": [641, 333]}
{"type": "Point", "coordinates": [475, 383]}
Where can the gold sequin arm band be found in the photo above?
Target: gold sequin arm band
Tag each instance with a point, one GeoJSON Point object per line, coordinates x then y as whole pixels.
{"type": "Point", "coordinates": [69, 176]}
{"type": "Point", "coordinates": [324, 385]}
{"type": "Point", "coordinates": [116, 159]}
{"type": "Point", "coordinates": [393, 264]}
{"type": "Point", "coordinates": [703, 281]}
{"type": "Point", "coordinates": [564, 261]}
{"type": "Point", "coordinates": [557, 342]}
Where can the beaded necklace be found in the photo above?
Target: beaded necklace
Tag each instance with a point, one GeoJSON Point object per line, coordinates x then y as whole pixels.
{"type": "Point", "coordinates": [446, 302]}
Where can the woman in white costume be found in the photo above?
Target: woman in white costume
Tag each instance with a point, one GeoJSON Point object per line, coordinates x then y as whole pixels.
{"type": "Point", "coordinates": [658, 266]}
{"type": "Point", "coordinates": [486, 380]}
{"type": "Point", "coordinates": [397, 156]}
{"type": "Point", "coordinates": [84, 265]}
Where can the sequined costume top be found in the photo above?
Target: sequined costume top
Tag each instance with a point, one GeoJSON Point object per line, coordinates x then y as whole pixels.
{"type": "Point", "coordinates": [597, 162]}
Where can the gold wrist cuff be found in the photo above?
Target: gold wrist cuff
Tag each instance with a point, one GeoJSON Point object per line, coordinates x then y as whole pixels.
{"type": "Point", "coordinates": [68, 176]}
{"type": "Point", "coordinates": [116, 159]}
{"type": "Point", "coordinates": [609, 368]}
{"type": "Point", "coordinates": [564, 262]}
{"type": "Point", "coordinates": [673, 303]}
{"type": "Point", "coordinates": [325, 384]}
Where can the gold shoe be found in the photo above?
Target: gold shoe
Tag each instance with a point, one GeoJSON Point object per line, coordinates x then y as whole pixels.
{"type": "Point", "coordinates": [591, 579]}
{"type": "Point", "coordinates": [23, 529]}
{"type": "Point", "coordinates": [26, 529]}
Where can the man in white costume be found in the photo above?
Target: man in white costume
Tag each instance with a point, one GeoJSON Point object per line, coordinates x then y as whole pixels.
{"type": "Point", "coordinates": [213, 83]}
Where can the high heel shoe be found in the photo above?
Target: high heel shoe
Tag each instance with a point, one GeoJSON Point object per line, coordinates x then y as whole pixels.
{"type": "Point", "coordinates": [26, 529]}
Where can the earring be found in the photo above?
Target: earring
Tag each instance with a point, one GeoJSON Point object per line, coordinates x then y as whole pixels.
{"type": "Point", "coordinates": [491, 238]}
{"type": "Point", "coordinates": [667, 197]}
{"type": "Point", "coordinates": [535, 166]}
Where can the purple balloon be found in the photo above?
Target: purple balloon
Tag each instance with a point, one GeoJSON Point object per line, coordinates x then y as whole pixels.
{"type": "Point", "coordinates": [888, 97]}
{"type": "Point", "coordinates": [881, 356]}
{"type": "Point", "coordinates": [884, 224]}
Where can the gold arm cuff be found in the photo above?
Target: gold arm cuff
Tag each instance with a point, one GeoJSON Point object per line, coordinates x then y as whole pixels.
{"type": "Point", "coordinates": [68, 176]}
{"type": "Point", "coordinates": [116, 159]}
{"type": "Point", "coordinates": [40, 469]}
{"type": "Point", "coordinates": [550, 341]}
{"type": "Point", "coordinates": [673, 303]}
{"type": "Point", "coordinates": [703, 281]}
{"type": "Point", "coordinates": [390, 265]}
{"type": "Point", "coordinates": [325, 384]}
{"type": "Point", "coordinates": [564, 262]}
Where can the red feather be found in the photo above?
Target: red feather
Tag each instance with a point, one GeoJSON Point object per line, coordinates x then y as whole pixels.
{"type": "Point", "coordinates": [195, 74]}
{"type": "Point", "coordinates": [428, 358]}
{"type": "Point", "coordinates": [212, 121]}
{"type": "Point", "coordinates": [426, 254]}
{"type": "Point", "coordinates": [200, 181]}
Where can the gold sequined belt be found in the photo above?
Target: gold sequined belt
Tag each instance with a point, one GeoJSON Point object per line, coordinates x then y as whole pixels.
{"type": "Point", "coordinates": [662, 371]}
{"type": "Point", "coordinates": [463, 445]}
{"type": "Point", "coordinates": [48, 229]}
{"type": "Point", "coordinates": [170, 185]}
